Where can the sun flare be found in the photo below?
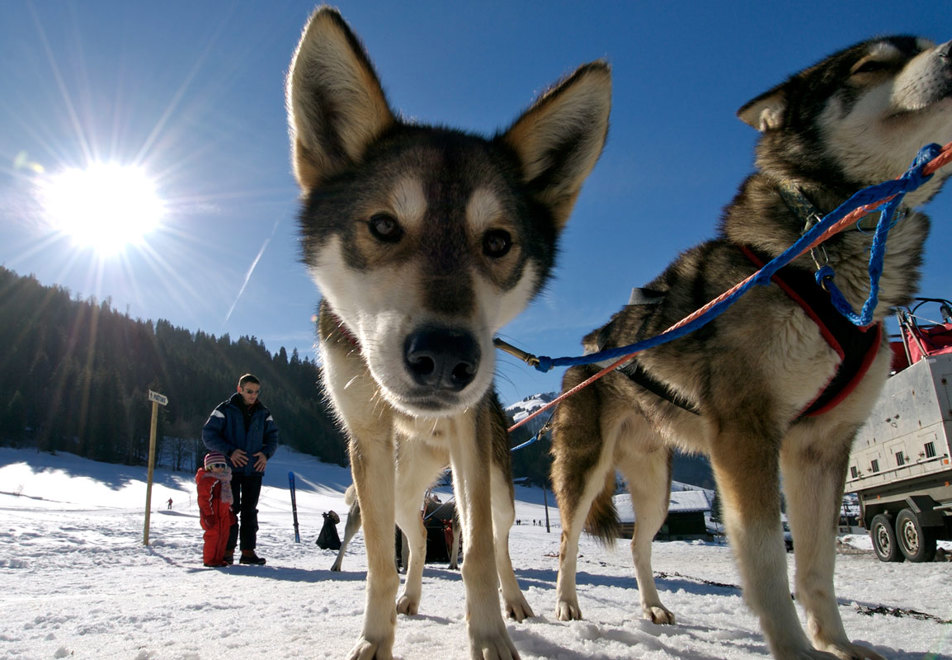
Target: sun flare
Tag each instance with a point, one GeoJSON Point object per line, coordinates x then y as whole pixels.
{"type": "Point", "coordinates": [105, 206]}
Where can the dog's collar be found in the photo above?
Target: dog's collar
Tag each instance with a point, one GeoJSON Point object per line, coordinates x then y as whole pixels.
{"type": "Point", "coordinates": [809, 215]}
{"type": "Point", "coordinates": [803, 208]}
{"type": "Point", "coordinates": [798, 203]}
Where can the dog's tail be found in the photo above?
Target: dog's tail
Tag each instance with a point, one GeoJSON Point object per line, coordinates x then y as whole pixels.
{"type": "Point", "coordinates": [602, 521]}
{"type": "Point", "coordinates": [350, 495]}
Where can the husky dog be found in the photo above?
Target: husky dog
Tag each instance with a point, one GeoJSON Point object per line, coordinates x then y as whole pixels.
{"type": "Point", "coordinates": [750, 389]}
{"type": "Point", "coordinates": [353, 525]}
{"type": "Point", "coordinates": [425, 241]}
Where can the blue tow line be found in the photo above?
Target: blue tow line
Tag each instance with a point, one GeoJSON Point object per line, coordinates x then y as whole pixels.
{"type": "Point", "coordinates": [533, 439]}
{"type": "Point", "coordinates": [911, 180]}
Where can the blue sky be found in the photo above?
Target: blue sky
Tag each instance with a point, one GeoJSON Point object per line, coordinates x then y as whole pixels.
{"type": "Point", "coordinates": [193, 93]}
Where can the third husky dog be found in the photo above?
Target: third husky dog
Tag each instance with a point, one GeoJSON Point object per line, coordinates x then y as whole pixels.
{"type": "Point", "coordinates": [750, 389]}
{"type": "Point", "coordinates": [425, 241]}
{"type": "Point", "coordinates": [352, 526]}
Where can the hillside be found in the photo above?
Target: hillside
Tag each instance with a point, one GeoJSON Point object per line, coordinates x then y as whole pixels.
{"type": "Point", "coordinates": [77, 372]}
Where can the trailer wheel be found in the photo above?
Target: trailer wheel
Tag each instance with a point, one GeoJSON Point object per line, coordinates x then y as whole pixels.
{"type": "Point", "coordinates": [916, 542]}
{"type": "Point", "coordinates": [884, 539]}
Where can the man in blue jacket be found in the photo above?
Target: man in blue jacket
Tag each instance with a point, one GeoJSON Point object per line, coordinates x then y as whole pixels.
{"type": "Point", "coordinates": [242, 429]}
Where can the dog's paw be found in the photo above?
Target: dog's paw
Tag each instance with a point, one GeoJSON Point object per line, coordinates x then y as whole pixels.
{"type": "Point", "coordinates": [568, 611]}
{"type": "Point", "coordinates": [497, 647]}
{"type": "Point", "coordinates": [849, 651]}
{"type": "Point", "coordinates": [658, 614]}
{"type": "Point", "coordinates": [518, 608]}
{"type": "Point", "coordinates": [368, 650]}
{"type": "Point", "coordinates": [407, 605]}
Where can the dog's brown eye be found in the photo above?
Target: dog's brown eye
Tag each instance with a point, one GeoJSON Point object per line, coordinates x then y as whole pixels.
{"type": "Point", "coordinates": [385, 228]}
{"type": "Point", "coordinates": [870, 66]}
{"type": "Point", "coordinates": [496, 243]}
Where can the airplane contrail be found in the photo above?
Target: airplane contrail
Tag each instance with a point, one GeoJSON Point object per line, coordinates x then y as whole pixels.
{"type": "Point", "coordinates": [251, 270]}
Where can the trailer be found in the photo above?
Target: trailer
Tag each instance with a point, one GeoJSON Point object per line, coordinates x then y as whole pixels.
{"type": "Point", "coordinates": [900, 465]}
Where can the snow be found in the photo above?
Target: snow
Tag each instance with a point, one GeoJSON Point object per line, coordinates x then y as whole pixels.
{"type": "Point", "coordinates": [522, 409]}
{"type": "Point", "coordinates": [77, 581]}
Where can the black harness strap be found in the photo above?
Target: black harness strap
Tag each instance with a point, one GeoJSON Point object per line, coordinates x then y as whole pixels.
{"type": "Point", "coordinates": [642, 378]}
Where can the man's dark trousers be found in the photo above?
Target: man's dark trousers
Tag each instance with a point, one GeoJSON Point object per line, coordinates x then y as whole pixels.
{"type": "Point", "coordinates": [246, 488]}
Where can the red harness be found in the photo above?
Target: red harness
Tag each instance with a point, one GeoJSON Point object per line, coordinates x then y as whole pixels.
{"type": "Point", "coordinates": [856, 346]}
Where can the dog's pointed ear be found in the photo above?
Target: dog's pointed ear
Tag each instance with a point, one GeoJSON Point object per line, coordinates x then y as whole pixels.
{"type": "Point", "coordinates": [336, 106]}
{"type": "Point", "coordinates": [766, 111]}
{"type": "Point", "coordinates": [559, 139]}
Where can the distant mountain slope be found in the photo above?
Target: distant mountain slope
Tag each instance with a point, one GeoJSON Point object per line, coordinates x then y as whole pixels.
{"type": "Point", "coordinates": [522, 409]}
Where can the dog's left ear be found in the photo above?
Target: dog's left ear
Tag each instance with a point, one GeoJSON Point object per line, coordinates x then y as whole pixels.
{"type": "Point", "coordinates": [559, 138]}
{"type": "Point", "coordinates": [766, 111]}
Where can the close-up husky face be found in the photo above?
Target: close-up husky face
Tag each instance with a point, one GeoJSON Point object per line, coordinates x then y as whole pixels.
{"type": "Point", "coordinates": [425, 260]}
{"type": "Point", "coordinates": [862, 113]}
{"type": "Point", "coordinates": [425, 241]}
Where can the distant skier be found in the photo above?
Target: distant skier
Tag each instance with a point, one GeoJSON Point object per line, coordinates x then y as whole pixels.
{"type": "Point", "coordinates": [214, 503]}
{"type": "Point", "coordinates": [170, 504]}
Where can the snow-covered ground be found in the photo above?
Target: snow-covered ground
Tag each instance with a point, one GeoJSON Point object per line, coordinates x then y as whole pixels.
{"type": "Point", "coordinates": [77, 581]}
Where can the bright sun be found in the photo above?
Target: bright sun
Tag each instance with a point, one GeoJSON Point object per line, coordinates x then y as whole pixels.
{"type": "Point", "coordinates": [106, 206]}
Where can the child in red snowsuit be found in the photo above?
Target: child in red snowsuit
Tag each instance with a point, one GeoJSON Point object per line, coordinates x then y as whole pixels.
{"type": "Point", "coordinates": [214, 504]}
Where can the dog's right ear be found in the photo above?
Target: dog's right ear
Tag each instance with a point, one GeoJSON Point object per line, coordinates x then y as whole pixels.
{"type": "Point", "coordinates": [336, 106]}
{"type": "Point", "coordinates": [766, 111]}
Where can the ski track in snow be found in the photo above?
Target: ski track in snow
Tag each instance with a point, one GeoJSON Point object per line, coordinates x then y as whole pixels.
{"type": "Point", "coordinates": [76, 581]}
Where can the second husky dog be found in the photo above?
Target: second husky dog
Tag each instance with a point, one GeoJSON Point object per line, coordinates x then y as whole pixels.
{"type": "Point", "coordinates": [352, 526]}
{"type": "Point", "coordinates": [761, 389]}
{"type": "Point", "coordinates": [425, 241]}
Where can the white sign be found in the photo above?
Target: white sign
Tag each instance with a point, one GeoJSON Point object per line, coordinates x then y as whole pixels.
{"type": "Point", "coordinates": [158, 398]}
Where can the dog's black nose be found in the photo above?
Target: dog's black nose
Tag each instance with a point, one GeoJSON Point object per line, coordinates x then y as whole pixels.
{"type": "Point", "coordinates": [442, 358]}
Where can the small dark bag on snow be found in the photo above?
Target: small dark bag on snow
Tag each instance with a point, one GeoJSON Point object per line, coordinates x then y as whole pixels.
{"type": "Point", "coordinates": [328, 538]}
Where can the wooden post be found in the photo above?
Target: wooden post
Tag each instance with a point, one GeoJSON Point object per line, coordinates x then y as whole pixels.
{"type": "Point", "coordinates": [545, 499]}
{"type": "Point", "coordinates": [156, 399]}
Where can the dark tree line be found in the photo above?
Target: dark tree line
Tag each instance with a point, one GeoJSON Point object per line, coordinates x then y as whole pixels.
{"type": "Point", "coordinates": [76, 376]}
{"type": "Point", "coordinates": [533, 462]}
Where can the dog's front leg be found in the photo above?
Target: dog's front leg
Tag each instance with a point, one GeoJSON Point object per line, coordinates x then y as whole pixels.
{"type": "Point", "coordinates": [504, 514]}
{"type": "Point", "coordinates": [470, 460]}
{"type": "Point", "coordinates": [746, 466]}
{"type": "Point", "coordinates": [373, 469]}
{"type": "Point", "coordinates": [814, 463]}
{"type": "Point", "coordinates": [350, 529]}
{"type": "Point", "coordinates": [418, 465]}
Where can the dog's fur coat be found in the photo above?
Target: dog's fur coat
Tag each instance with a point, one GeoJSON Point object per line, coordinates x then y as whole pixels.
{"type": "Point", "coordinates": [856, 118]}
{"type": "Point", "coordinates": [425, 241]}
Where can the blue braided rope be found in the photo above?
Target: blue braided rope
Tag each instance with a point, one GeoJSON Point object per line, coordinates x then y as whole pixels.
{"type": "Point", "coordinates": [911, 180]}
{"type": "Point", "coordinates": [528, 442]}
{"type": "Point", "coordinates": [877, 252]}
